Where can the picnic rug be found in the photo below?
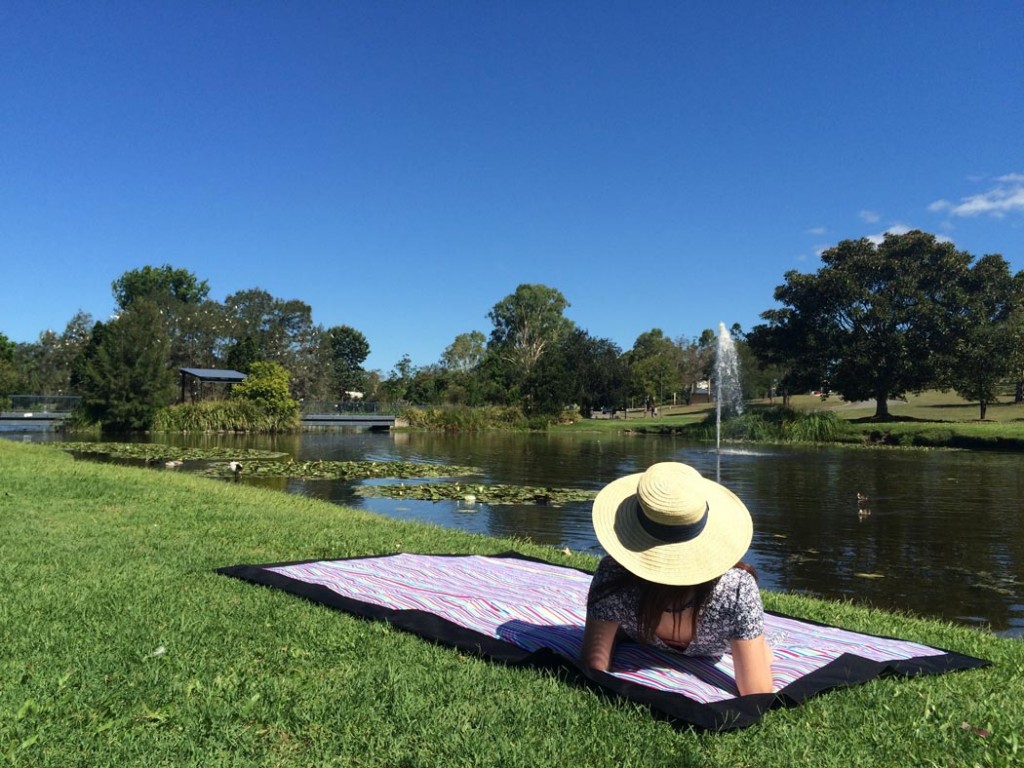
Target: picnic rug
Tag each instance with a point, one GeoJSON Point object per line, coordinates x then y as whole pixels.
{"type": "Point", "coordinates": [524, 611]}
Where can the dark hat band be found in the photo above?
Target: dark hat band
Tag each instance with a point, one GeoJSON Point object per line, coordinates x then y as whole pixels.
{"type": "Point", "coordinates": [672, 534]}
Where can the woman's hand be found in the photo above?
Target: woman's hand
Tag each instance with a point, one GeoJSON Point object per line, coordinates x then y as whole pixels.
{"type": "Point", "coordinates": [599, 643]}
{"type": "Point", "coordinates": [752, 660]}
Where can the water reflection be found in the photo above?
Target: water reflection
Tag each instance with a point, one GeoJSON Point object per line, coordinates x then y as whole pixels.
{"type": "Point", "coordinates": [944, 537]}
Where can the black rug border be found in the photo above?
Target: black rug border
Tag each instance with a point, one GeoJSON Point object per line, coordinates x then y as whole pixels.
{"type": "Point", "coordinates": [846, 670]}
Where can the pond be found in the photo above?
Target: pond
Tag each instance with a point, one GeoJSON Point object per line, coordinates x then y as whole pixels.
{"type": "Point", "coordinates": [944, 536]}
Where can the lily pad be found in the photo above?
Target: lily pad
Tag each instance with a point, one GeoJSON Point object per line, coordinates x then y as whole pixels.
{"type": "Point", "coordinates": [339, 470]}
{"type": "Point", "coordinates": [472, 493]}
{"type": "Point", "coordinates": [158, 452]}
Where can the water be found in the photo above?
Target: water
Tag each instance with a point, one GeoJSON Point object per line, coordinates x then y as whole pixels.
{"type": "Point", "coordinates": [944, 537]}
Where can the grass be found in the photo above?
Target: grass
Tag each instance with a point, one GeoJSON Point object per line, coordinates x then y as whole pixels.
{"type": "Point", "coordinates": [120, 646]}
{"type": "Point", "coordinates": [929, 419]}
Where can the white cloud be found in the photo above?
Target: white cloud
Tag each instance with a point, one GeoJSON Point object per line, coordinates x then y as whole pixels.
{"type": "Point", "coordinates": [1006, 197]}
{"type": "Point", "coordinates": [870, 217]}
{"type": "Point", "coordinates": [817, 231]}
{"type": "Point", "coordinates": [895, 229]}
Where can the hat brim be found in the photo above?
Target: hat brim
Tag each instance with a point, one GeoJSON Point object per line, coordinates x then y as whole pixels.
{"type": "Point", "coordinates": [720, 545]}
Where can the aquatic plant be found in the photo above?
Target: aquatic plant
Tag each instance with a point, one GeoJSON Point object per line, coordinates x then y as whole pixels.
{"type": "Point", "coordinates": [473, 493]}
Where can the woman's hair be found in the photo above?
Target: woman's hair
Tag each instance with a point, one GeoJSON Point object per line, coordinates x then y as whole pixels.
{"type": "Point", "coordinates": [657, 598]}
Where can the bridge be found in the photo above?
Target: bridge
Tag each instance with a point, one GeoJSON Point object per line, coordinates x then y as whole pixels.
{"type": "Point", "coordinates": [373, 421]}
{"type": "Point", "coordinates": [36, 413]}
{"type": "Point", "coordinates": [30, 413]}
{"type": "Point", "coordinates": [321, 415]}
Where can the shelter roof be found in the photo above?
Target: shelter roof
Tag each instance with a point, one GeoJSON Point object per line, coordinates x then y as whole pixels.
{"type": "Point", "coordinates": [214, 374]}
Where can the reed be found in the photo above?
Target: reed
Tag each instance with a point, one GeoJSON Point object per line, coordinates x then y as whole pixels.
{"type": "Point", "coordinates": [223, 416]}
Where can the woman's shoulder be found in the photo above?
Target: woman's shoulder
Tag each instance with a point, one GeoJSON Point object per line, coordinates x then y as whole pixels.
{"type": "Point", "coordinates": [609, 567]}
{"type": "Point", "coordinates": [734, 581]}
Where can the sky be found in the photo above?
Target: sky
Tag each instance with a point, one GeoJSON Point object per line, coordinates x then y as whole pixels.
{"type": "Point", "coordinates": [402, 166]}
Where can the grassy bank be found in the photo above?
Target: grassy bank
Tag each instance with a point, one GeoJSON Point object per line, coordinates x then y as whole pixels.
{"type": "Point", "coordinates": [929, 420]}
{"type": "Point", "coordinates": [120, 646]}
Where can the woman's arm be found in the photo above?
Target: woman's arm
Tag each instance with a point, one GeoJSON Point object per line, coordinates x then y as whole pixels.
{"type": "Point", "coordinates": [598, 643]}
{"type": "Point", "coordinates": [752, 660]}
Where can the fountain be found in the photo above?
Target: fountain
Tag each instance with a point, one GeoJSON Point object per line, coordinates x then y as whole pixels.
{"type": "Point", "coordinates": [727, 382]}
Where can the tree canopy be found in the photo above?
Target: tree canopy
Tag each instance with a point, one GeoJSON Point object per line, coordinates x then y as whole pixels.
{"type": "Point", "coordinates": [875, 322]}
{"type": "Point", "coordinates": [526, 323]}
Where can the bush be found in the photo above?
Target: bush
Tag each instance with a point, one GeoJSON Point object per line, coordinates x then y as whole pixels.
{"type": "Point", "coordinates": [222, 416]}
{"type": "Point", "coordinates": [267, 388]}
{"type": "Point", "coordinates": [464, 418]}
{"type": "Point", "coordinates": [780, 424]}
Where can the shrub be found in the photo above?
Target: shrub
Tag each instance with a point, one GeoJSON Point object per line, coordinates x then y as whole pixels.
{"type": "Point", "coordinates": [464, 418]}
{"type": "Point", "coordinates": [779, 424]}
{"type": "Point", "coordinates": [266, 387]}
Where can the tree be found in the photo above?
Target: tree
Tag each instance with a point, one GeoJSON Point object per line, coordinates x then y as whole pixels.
{"type": "Point", "coordinates": [242, 354]}
{"type": "Point", "coordinates": [46, 365]}
{"type": "Point", "coordinates": [127, 379]}
{"type": "Point", "coordinates": [346, 350]}
{"type": "Point", "coordinates": [267, 387]}
{"type": "Point", "coordinates": [461, 364]}
{"type": "Point", "coordinates": [525, 324]}
{"type": "Point", "coordinates": [193, 323]}
{"type": "Point", "coordinates": [655, 366]}
{"type": "Point", "coordinates": [465, 352]}
{"type": "Point", "coordinates": [159, 284]}
{"type": "Point", "coordinates": [10, 378]}
{"type": "Point", "coordinates": [873, 322]}
{"type": "Point", "coordinates": [579, 370]}
{"type": "Point", "coordinates": [396, 386]}
{"type": "Point", "coordinates": [282, 330]}
{"type": "Point", "coordinates": [982, 353]}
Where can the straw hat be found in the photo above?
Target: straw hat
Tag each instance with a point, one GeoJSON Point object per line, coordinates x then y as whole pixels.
{"type": "Point", "coordinates": [670, 525]}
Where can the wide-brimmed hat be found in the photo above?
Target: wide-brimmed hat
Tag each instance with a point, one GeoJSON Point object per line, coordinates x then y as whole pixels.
{"type": "Point", "coordinates": [670, 525]}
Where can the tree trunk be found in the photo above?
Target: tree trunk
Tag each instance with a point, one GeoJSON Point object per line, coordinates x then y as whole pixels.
{"type": "Point", "coordinates": [1018, 393]}
{"type": "Point", "coordinates": [881, 408]}
{"type": "Point", "coordinates": [984, 407]}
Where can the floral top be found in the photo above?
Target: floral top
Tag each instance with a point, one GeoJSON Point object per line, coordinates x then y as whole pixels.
{"type": "Point", "coordinates": [732, 612]}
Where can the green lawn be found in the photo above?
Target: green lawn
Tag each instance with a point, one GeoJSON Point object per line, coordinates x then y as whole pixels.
{"type": "Point", "coordinates": [930, 419]}
{"type": "Point", "coordinates": [120, 646]}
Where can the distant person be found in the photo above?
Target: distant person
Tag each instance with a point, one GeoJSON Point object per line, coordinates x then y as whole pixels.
{"type": "Point", "coordinates": [673, 577]}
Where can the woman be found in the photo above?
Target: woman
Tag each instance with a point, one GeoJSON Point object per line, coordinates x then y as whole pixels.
{"type": "Point", "coordinates": [672, 577]}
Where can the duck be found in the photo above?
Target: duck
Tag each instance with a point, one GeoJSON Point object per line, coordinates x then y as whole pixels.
{"type": "Point", "coordinates": [173, 464]}
{"type": "Point", "coordinates": [861, 498]}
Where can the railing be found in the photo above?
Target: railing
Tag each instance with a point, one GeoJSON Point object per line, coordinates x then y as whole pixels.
{"type": "Point", "coordinates": [347, 406]}
{"type": "Point", "coordinates": [43, 403]}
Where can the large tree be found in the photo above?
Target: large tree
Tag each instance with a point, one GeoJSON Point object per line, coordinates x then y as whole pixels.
{"type": "Point", "coordinates": [461, 364]}
{"type": "Point", "coordinates": [526, 323]}
{"type": "Point", "coordinates": [126, 378]}
{"type": "Point", "coordinates": [655, 366]}
{"type": "Point", "coordinates": [982, 353]}
{"type": "Point", "coordinates": [874, 322]}
{"type": "Point", "coordinates": [10, 378]}
{"type": "Point", "coordinates": [282, 332]}
{"type": "Point", "coordinates": [580, 370]}
{"type": "Point", "coordinates": [193, 323]}
{"type": "Point", "coordinates": [346, 349]}
{"type": "Point", "coordinates": [465, 353]}
{"type": "Point", "coordinates": [46, 365]}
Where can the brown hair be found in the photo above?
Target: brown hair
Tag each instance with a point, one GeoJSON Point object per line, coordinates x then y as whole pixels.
{"type": "Point", "coordinates": [656, 598]}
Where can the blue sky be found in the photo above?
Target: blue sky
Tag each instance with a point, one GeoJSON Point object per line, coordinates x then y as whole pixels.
{"type": "Point", "coordinates": [402, 166]}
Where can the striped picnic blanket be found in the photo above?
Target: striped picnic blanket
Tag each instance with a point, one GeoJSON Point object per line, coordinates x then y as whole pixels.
{"type": "Point", "coordinates": [522, 610]}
